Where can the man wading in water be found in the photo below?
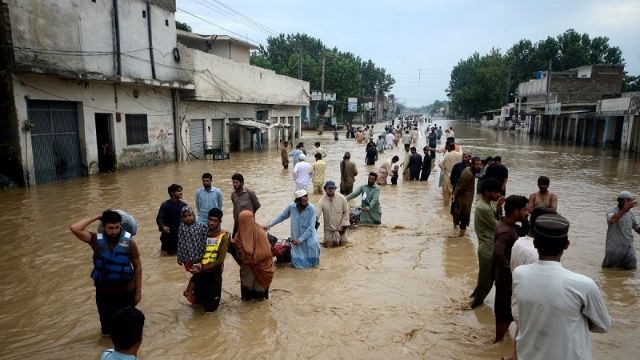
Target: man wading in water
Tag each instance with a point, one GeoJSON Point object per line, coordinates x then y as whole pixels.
{"type": "Point", "coordinates": [543, 198]}
{"type": "Point", "coordinates": [117, 270]}
{"type": "Point", "coordinates": [371, 212]}
{"type": "Point", "coordinates": [516, 209]}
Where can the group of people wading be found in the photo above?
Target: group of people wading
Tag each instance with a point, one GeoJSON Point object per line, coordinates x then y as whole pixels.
{"type": "Point", "coordinates": [520, 239]}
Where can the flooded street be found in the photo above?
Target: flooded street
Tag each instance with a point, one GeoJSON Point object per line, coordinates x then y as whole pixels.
{"type": "Point", "coordinates": [397, 291]}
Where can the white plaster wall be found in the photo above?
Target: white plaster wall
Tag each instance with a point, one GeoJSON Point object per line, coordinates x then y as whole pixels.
{"type": "Point", "coordinates": [86, 27]}
{"type": "Point", "coordinates": [134, 41]}
{"type": "Point", "coordinates": [189, 110]}
{"type": "Point", "coordinates": [627, 128]}
{"type": "Point", "coordinates": [532, 87]}
{"type": "Point", "coordinates": [240, 53]}
{"type": "Point", "coordinates": [224, 80]}
{"type": "Point", "coordinates": [99, 97]}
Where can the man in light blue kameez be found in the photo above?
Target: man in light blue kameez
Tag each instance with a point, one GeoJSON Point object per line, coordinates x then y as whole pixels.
{"type": "Point", "coordinates": [305, 249]}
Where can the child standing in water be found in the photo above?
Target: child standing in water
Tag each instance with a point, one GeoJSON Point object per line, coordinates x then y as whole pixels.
{"type": "Point", "coordinates": [394, 175]}
{"type": "Point", "coordinates": [192, 237]}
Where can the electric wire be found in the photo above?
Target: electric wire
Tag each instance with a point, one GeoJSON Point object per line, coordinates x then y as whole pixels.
{"type": "Point", "coordinates": [255, 42]}
{"type": "Point", "coordinates": [248, 18]}
{"type": "Point", "coordinates": [236, 18]}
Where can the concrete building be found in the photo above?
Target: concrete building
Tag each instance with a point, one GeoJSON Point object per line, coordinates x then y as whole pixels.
{"type": "Point", "coordinates": [622, 118]}
{"type": "Point", "coordinates": [562, 105]}
{"type": "Point", "coordinates": [234, 105]}
{"type": "Point", "coordinates": [89, 86]}
{"type": "Point", "coordinates": [86, 83]}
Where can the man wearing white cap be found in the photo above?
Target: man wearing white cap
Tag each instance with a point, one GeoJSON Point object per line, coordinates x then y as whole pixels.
{"type": "Point", "coordinates": [621, 222]}
{"type": "Point", "coordinates": [305, 252]}
{"type": "Point", "coordinates": [302, 173]}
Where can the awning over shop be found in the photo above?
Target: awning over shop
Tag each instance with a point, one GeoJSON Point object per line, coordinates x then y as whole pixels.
{"type": "Point", "coordinates": [252, 124]}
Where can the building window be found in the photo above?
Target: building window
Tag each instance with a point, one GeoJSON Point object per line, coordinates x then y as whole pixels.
{"type": "Point", "coordinates": [137, 132]}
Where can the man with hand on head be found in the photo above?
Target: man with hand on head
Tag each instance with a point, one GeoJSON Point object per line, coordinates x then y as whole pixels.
{"type": "Point", "coordinates": [621, 224]}
{"type": "Point", "coordinates": [117, 270]}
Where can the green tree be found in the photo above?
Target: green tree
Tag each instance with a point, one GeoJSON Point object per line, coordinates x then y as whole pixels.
{"type": "Point", "coordinates": [631, 83]}
{"type": "Point", "coordinates": [345, 73]}
{"type": "Point", "coordinates": [475, 81]}
{"type": "Point", "coordinates": [478, 83]}
{"type": "Point", "coordinates": [183, 26]}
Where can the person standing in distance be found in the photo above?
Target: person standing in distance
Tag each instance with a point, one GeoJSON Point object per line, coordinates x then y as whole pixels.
{"type": "Point", "coordinates": [169, 218]}
{"type": "Point", "coordinates": [207, 198]}
{"type": "Point", "coordinates": [348, 173]}
{"type": "Point", "coordinates": [242, 198]}
{"type": "Point", "coordinates": [621, 224]}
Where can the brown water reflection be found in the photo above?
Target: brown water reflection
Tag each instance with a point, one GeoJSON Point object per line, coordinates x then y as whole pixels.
{"type": "Point", "coordinates": [397, 291]}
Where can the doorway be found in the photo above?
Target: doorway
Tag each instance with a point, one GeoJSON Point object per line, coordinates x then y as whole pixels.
{"type": "Point", "coordinates": [104, 141]}
{"type": "Point", "coordinates": [55, 140]}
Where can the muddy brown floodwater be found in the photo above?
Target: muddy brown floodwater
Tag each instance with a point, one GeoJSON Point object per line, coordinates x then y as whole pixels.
{"type": "Point", "coordinates": [397, 291]}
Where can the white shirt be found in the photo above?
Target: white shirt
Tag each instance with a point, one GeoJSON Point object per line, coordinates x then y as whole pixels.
{"type": "Point", "coordinates": [522, 253]}
{"type": "Point", "coordinates": [301, 174]}
{"type": "Point", "coordinates": [389, 139]}
{"type": "Point", "coordinates": [557, 307]}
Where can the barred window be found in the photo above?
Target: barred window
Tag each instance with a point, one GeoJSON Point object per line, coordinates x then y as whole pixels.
{"type": "Point", "coordinates": [137, 132]}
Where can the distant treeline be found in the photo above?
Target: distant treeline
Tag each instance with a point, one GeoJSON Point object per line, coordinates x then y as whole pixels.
{"type": "Point", "coordinates": [300, 56]}
{"type": "Point", "coordinates": [483, 82]}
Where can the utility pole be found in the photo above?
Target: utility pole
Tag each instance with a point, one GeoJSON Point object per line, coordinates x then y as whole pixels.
{"type": "Point", "coordinates": [322, 79]}
{"type": "Point", "coordinates": [506, 93]}
{"type": "Point", "coordinates": [321, 116]}
{"type": "Point", "coordinates": [548, 88]}
{"type": "Point", "coordinates": [375, 119]}
{"type": "Point", "coordinates": [300, 65]}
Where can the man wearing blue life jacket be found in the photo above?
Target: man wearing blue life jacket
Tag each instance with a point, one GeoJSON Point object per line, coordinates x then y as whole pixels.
{"type": "Point", "coordinates": [117, 271]}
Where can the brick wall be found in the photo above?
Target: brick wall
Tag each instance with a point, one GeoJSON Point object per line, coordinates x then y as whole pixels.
{"type": "Point", "coordinates": [605, 82]}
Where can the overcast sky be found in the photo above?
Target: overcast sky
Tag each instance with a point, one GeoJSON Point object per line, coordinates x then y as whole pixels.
{"type": "Point", "coordinates": [419, 41]}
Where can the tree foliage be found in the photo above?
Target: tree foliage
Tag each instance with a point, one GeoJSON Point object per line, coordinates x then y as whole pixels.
{"type": "Point", "coordinates": [345, 73]}
{"type": "Point", "coordinates": [432, 109]}
{"type": "Point", "coordinates": [631, 83]}
{"type": "Point", "coordinates": [183, 26]}
{"type": "Point", "coordinates": [485, 82]}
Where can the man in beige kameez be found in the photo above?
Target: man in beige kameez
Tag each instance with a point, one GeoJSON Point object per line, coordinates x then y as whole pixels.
{"type": "Point", "coordinates": [448, 161]}
{"type": "Point", "coordinates": [348, 173]}
{"type": "Point", "coordinates": [335, 210]}
{"type": "Point", "coordinates": [405, 164]}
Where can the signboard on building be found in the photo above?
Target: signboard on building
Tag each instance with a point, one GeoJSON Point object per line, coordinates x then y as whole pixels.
{"type": "Point", "coordinates": [552, 108]}
{"type": "Point", "coordinates": [352, 104]}
{"type": "Point", "coordinates": [317, 96]}
{"type": "Point", "coordinates": [368, 106]}
{"type": "Point", "coordinates": [504, 112]}
{"type": "Point", "coordinates": [615, 107]}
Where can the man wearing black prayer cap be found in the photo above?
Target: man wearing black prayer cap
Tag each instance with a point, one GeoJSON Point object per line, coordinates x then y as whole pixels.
{"type": "Point", "coordinates": [557, 307]}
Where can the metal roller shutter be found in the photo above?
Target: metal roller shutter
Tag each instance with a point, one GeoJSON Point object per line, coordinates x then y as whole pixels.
{"type": "Point", "coordinates": [217, 132]}
{"type": "Point", "coordinates": [196, 138]}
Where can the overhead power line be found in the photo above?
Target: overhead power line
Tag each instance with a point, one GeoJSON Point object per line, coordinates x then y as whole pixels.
{"type": "Point", "coordinates": [255, 42]}
{"type": "Point", "coordinates": [237, 16]}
